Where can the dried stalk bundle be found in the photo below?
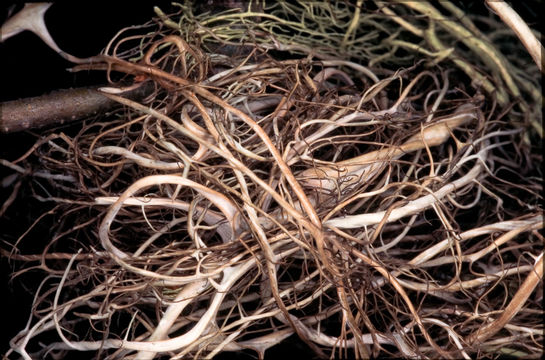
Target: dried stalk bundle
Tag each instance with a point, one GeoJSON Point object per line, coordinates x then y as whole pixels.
{"type": "Point", "coordinates": [270, 188]}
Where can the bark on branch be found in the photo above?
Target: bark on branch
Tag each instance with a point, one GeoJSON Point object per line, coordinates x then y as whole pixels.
{"type": "Point", "coordinates": [58, 107]}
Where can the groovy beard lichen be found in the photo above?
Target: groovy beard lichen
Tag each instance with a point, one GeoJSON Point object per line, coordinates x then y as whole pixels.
{"type": "Point", "coordinates": [252, 197]}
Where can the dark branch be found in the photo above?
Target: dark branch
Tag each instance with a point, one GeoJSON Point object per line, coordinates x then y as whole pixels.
{"type": "Point", "coordinates": [58, 107]}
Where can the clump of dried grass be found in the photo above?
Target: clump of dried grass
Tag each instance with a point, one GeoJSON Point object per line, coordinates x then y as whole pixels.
{"type": "Point", "coordinates": [270, 187]}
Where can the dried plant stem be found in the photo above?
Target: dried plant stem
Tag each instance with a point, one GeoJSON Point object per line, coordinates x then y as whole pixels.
{"type": "Point", "coordinates": [414, 206]}
{"type": "Point", "coordinates": [172, 313]}
{"type": "Point", "coordinates": [523, 292]}
{"type": "Point", "coordinates": [227, 208]}
{"type": "Point", "coordinates": [526, 36]}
